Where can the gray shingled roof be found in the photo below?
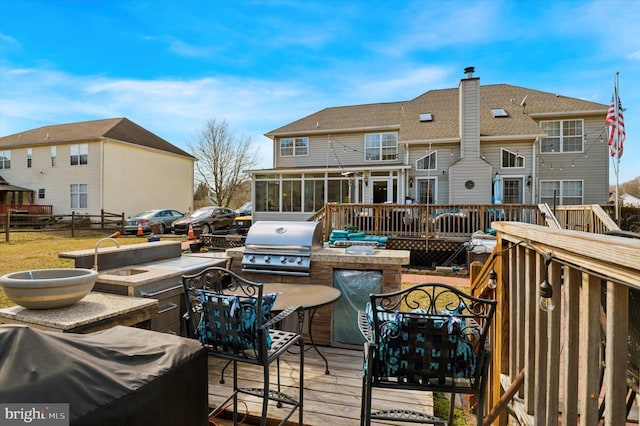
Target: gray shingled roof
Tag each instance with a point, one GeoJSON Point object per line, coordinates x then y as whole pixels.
{"type": "Point", "coordinates": [121, 129]}
{"type": "Point", "coordinates": [444, 107]}
{"type": "Point", "coordinates": [345, 118]}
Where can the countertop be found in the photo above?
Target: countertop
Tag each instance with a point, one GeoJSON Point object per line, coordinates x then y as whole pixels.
{"type": "Point", "coordinates": [94, 308]}
{"type": "Point", "coordinates": [109, 247]}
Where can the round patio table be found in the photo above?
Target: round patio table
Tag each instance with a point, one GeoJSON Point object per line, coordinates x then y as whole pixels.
{"type": "Point", "coordinates": [309, 296]}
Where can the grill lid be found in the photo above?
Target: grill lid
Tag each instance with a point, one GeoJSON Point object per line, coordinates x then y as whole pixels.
{"type": "Point", "coordinates": [275, 247]}
{"type": "Point", "coordinates": [281, 236]}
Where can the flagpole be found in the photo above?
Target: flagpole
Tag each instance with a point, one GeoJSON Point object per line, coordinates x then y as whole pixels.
{"type": "Point", "coordinates": [617, 136]}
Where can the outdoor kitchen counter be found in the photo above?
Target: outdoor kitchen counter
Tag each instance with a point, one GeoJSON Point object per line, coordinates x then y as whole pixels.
{"type": "Point", "coordinates": [380, 256]}
{"type": "Point", "coordinates": [96, 311]}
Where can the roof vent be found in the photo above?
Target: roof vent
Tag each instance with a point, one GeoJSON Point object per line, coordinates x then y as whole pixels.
{"type": "Point", "coordinates": [468, 71]}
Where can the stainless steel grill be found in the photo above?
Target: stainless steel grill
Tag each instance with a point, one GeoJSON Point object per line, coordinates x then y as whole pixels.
{"type": "Point", "coordinates": [278, 247]}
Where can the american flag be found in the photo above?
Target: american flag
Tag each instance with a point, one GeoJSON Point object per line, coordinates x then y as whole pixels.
{"type": "Point", "coordinates": [614, 119]}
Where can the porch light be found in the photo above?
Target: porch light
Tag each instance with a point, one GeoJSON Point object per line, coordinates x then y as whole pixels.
{"type": "Point", "coordinates": [410, 182]}
{"type": "Point", "coordinates": [366, 181]}
{"type": "Point", "coordinates": [493, 279]}
{"type": "Point", "coordinates": [529, 180]}
{"type": "Point", "coordinates": [546, 290]}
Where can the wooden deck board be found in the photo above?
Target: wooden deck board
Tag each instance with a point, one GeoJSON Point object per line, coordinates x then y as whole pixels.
{"type": "Point", "coordinates": [328, 399]}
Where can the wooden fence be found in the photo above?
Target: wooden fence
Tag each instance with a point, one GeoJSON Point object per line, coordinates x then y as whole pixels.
{"type": "Point", "coordinates": [17, 221]}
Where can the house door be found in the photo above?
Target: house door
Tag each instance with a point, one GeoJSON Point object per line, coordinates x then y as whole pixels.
{"type": "Point", "coordinates": [427, 191]}
{"type": "Point", "coordinates": [512, 190]}
{"type": "Point", "coordinates": [382, 190]}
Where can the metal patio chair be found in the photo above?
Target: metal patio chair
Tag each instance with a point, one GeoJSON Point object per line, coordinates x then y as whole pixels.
{"type": "Point", "coordinates": [232, 319]}
{"type": "Point", "coordinates": [429, 337]}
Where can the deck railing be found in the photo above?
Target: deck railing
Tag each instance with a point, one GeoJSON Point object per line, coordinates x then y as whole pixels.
{"type": "Point", "coordinates": [424, 220]}
{"type": "Point", "coordinates": [563, 353]}
{"type": "Point", "coordinates": [587, 218]}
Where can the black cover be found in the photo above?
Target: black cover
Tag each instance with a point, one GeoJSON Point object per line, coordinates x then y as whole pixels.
{"type": "Point", "coordinates": [119, 376]}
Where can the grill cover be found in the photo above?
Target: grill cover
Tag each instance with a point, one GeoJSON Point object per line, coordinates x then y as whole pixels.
{"type": "Point", "coordinates": [118, 376]}
{"type": "Point", "coordinates": [280, 247]}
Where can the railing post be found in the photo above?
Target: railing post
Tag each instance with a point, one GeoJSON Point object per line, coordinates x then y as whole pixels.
{"type": "Point", "coordinates": [553, 327]}
{"type": "Point", "coordinates": [73, 224]}
{"type": "Point", "coordinates": [616, 354]}
{"type": "Point", "coordinates": [531, 304]}
{"type": "Point", "coordinates": [590, 329]}
{"type": "Point", "coordinates": [571, 328]}
{"type": "Point", "coordinates": [541, 342]}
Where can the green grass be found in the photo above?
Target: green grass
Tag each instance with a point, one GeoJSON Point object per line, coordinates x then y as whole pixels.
{"type": "Point", "coordinates": [441, 409]}
{"type": "Point", "coordinates": [39, 250]}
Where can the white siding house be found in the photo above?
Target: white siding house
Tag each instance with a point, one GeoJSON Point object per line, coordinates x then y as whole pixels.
{"type": "Point", "coordinates": [444, 146]}
{"type": "Point", "coordinates": [112, 165]}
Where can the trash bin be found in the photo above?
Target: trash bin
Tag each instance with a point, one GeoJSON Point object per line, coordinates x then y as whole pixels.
{"type": "Point", "coordinates": [355, 287]}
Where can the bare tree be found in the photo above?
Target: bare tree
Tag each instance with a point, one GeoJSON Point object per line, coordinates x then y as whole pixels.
{"type": "Point", "coordinates": [222, 160]}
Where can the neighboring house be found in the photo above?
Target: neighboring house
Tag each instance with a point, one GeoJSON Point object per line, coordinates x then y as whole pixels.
{"type": "Point", "coordinates": [443, 147]}
{"type": "Point", "coordinates": [112, 165]}
{"type": "Point", "coordinates": [629, 200]}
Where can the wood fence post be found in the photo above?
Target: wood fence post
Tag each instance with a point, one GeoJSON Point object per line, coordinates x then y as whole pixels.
{"type": "Point", "coordinates": [73, 224]}
{"type": "Point", "coordinates": [7, 223]}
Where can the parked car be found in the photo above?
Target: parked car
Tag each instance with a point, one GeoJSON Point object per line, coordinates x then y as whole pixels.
{"type": "Point", "coordinates": [163, 218]}
{"type": "Point", "coordinates": [245, 210]}
{"type": "Point", "coordinates": [205, 220]}
{"type": "Point", "coordinates": [241, 225]}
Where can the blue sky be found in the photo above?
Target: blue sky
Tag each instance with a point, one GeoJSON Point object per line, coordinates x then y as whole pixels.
{"type": "Point", "coordinates": [172, 65]}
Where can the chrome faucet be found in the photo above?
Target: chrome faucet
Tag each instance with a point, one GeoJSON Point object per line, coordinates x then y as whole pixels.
{"type": "Point", "coordinates": [95, 256]}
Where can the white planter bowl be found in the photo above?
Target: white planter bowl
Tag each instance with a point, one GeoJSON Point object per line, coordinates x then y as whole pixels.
{"type": "Point", "coordinates": [48, 288]}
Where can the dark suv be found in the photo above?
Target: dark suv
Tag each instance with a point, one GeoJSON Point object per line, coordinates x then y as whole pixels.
{"type": "Point", "coordinates": [205, 221]}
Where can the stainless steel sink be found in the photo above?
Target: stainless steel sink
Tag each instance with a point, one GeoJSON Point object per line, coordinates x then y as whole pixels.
{"type": "Point", "coordinates": [125, 272]}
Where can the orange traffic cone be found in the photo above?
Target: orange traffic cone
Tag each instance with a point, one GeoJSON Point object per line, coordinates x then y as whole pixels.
{"type": "Point", "coordinates": [115, 234]}
{"type": "Point", "coordinates": [191, 235]}
{"type": "Point", "coordinates": [139, 233]}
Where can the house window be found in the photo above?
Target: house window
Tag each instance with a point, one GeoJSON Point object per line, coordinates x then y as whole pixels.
{"type": "Point", "coordinates": [5, 160]}
{"type": "Point", "coordinates": [79, 195]}
{"type": "Point", "coordinates": [29, 157]}
{"type": "Point", "coordinates": [428, 162]}
{"type": "Point", "coordinates": [79, 154]}
{"type": "Point", "coordinates": [53, 156]}
{"type": "Point", "coordinates": [381, 146]}
{"type": "Point", "coordinates": [512, 160]}
{"type": "Point", "coordinates": [294, 147]}
{"type": "Point", "coordinates": [41, 193]}
{"type": "Point", "coordinates": [562, 136]}
{"type": "Point", "coordinates": [565, 192]}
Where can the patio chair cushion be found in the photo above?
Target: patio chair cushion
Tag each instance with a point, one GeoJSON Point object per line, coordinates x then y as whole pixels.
{"type": "Point", "coordinates": [395, 340]}
{"type": "Point", "coordinates": [243, 310]}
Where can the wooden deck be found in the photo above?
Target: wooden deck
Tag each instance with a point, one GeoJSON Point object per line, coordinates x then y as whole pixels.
{"type": "Point", "coordinates": [332, 399]}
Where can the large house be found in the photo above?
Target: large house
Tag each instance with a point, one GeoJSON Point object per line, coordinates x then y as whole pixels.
{"type": "Point", "coordinates": [112, 165]}
{"type": "Point", "coordinates": [445, 146]}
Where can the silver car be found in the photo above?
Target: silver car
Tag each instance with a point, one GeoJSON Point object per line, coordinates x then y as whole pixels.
{"type": "Point", "coordinates": [163, 218]}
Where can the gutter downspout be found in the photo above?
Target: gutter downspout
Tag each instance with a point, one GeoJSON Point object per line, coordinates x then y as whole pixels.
{"type": "Point", "coordinates": [534, 170]}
